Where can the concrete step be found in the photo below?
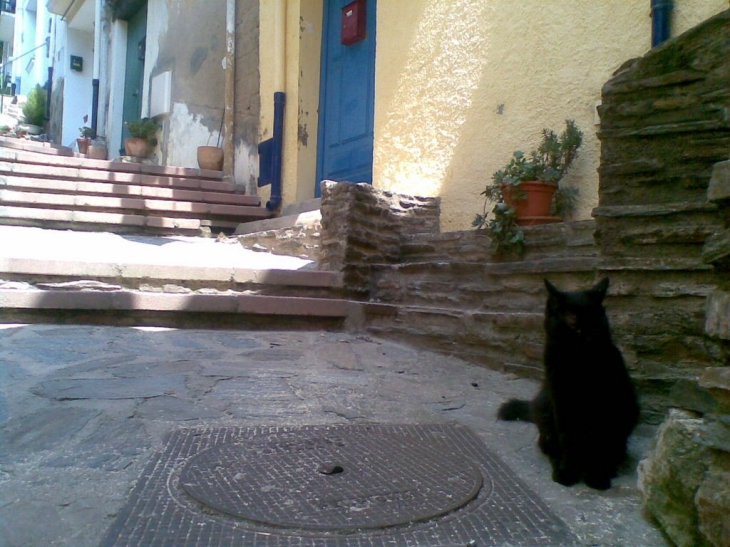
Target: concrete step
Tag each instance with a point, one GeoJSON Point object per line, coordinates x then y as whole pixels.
{"type": "Point", "coordinates": [118, 307]}
{"type": "Point", "coordinates": [49, 275]}
{"type": "Point", "coordinates": [57, 191]}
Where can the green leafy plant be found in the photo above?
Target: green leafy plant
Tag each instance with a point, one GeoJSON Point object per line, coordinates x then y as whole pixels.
{"type": "Point", "coordinates": [144, 128]}
{"type": "Point", "coordinates": [548, 163]}
{"type": "Point", "coordinates": [34, 110]}
{"type": "Point", "coordinates": [86, 132]}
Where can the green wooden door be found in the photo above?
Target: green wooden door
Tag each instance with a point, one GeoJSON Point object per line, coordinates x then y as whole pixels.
{"type": "Point", "coordinates": [134, 78]}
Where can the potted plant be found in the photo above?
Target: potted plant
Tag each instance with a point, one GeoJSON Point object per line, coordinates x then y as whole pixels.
{"type": "Point", "coordinates": [529, 189]}
{"type": "Point", "coordinates": [143, 137]}
{"type": "Point", "coordinates": [85, 137]}
{"type": "Point", "coordinates": [34, 111]}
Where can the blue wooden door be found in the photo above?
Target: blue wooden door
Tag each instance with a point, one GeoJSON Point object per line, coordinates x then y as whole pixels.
{"type": "Point", "coordinates": [347, 90]}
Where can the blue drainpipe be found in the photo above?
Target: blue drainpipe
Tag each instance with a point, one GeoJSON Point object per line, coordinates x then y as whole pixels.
{"type": "Point", "coordinates": [271, 153]}
{"type": "Point", "coordinates": [277, 154]}
{"type": "Point", "coordinates": [661, 11]}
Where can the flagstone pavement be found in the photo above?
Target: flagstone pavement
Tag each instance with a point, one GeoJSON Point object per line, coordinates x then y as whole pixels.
{"type": "Point", "coordinates": [84, 408]}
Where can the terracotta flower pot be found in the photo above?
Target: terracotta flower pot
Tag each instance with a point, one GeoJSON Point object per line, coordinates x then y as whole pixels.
{"type": "Point", "coordinates": [210, 157]}
{"type": "Point", "coordinates": [83, 144]}
{"type": "Point", "coordinates": [535, 209]}
{"type": "Point", "coordinates": [97, 152]}
{"type": "Point", "coordinates": [137, 146]}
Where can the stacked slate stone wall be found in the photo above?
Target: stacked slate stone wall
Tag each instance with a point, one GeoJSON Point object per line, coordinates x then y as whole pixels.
{"type": "Point", "coordinates": [665, 122]}
{"type": "Point", "coordinates": [363, 226]}
{"type": "Point", "coordinates": [685, 479]}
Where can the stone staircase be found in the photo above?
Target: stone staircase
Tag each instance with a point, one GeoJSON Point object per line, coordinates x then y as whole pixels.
{"type": "Point", "coordinates": [47, 186]}
{"type": "Point", "coordinates": [65, 276]}
{"type": "Point", "coordinates": [90, 241]}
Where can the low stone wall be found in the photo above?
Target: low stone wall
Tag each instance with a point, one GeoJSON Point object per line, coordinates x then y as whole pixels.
{"type": "Point", "coordinates": [363, 226]}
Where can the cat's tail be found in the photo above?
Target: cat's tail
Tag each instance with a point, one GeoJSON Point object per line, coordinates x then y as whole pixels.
{"type": "Point", "coordinates": [516, 409]}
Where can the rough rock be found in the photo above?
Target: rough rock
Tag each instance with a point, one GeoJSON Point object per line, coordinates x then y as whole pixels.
{"type": "Point", "coordinates": [671, 474]}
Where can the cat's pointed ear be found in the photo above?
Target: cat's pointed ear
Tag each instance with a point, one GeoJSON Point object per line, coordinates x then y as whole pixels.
{"type": "Point", "coordinates": [601, 287]}
{"type": "Point", "coordinates": [552, 289]}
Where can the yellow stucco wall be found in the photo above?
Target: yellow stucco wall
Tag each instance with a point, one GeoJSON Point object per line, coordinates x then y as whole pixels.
{"type": "Point", "coordinates": [303, 38]}
{"type": "Point", "coordinates": [461, 84]}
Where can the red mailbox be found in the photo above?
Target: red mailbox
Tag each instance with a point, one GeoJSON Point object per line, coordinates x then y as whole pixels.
{"type": "Point", "coordinates": [353, 23]}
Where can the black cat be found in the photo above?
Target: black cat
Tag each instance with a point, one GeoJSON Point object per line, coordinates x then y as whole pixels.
{"type": "Point", "coordinates": [587, 407]}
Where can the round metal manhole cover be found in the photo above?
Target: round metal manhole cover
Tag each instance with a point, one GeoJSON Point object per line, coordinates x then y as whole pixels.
{"type": "Point", "coordinates": [332, 481]}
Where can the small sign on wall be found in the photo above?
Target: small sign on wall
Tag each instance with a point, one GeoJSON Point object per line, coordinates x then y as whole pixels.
{"type": "Point", "coordinates": [77, 63]}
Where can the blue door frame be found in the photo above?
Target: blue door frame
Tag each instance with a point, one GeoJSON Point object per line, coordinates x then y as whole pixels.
{"type": "Point", "coordinates": [347, 98]}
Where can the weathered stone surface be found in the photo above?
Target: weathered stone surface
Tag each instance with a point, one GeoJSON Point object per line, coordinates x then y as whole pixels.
{"type": "Point", "coordinates": [41, 430]}
{"type": "Point", "coordinates": [717, 249]}
{"type": "Point", "coordinates": [111, 388]}
{"type": "Point", "coordinates": [717, 382]}
{"type": "Point", "coordinates": [301, 240]}
{"type": "Point", "coordinates": [671, 474]}
{"type": "Point", "coordinates": [363, 226]}
{"type": "Point", "coordinates": [713, 502]}
{"type": "Point", "coordinates": [717, 321]}
{"type": "Point", "coordinates": [719, 187]}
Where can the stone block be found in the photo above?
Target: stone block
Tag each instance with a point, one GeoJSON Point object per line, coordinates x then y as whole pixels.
{"type": "Point", "coordinates": [717, 382]}
{"type": "Point", "coordinates": [671, 474]}
{"type": "Point", "coordinates": [719, 187]}
{"type": "Point", "coordinates": [717, 249]}
{"type": "Point", "coordinates": [717, 320]}
{"type": "Point", "coordinates": [713, 502]}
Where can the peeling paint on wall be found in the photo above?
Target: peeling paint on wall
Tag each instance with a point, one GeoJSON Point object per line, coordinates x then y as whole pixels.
{"type": "Point", "coordinates": [186, 132]}
{"type": "Point", "coordinates": [246, 169]}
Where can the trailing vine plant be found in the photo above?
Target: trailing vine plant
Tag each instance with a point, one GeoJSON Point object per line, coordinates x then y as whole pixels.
{"type": "Point", "coordinates": [548, 163]}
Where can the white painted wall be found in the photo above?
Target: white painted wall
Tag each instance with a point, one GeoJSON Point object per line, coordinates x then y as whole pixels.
{"type": "Point", "coordinates": [77, 86]}
{"type": "Point", "coordinates": [115, 91]}
{"type": "Point", "coordinates": [31, 68]}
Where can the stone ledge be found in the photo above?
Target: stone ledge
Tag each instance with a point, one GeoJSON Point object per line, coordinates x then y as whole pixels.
{"type": "Point", "coordinates": [162, 272]}
{"type": "Point", "coordinates": [186, 303]}
{"type": "Point", "coordinates": [719, 187]}
{"type": "Point", "coordinates": [717, 322]}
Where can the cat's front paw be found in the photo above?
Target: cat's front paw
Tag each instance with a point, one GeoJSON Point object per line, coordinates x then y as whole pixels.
{"type": "Point", "coordinates": [566, 477]}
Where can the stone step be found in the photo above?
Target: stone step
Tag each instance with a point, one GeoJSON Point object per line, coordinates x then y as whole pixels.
{"type": "Point", "coordinates": [507, 286]}
{"type": "Point", "coordinates": [117, 307]}
{"type": "Point", "coordinates": [130, 205]}
{"type": "Point", "coordinates": [40, 189]}
{"type": "Point", "coordinates": [291, 235]}
{"type": "Point", "coordinates": [13, 150]}
{"type": "Point", "coordinates": [549, 240]}
{"type": "Point", "coordinates": [82, 276]}
{"type": "Point", "coordinates": [73, 275]}
{"type": "Point", "coordinates": [104, 188]}
{"type": "Point", "coordinates": [666, 231]}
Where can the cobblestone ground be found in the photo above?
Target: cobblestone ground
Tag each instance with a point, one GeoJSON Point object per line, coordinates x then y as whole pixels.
{"type": "Point", "coordinates": [83, 409]}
